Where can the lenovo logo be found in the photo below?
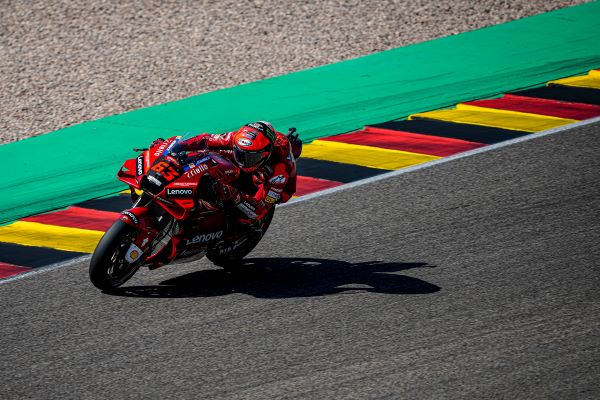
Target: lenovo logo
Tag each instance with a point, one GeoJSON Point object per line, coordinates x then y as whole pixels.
{"type": "Point", "coordinates": [179, 192]}
{"type": "Point", "coordinates": [139, 170]}
{"type": "Point", "coordinates": [206, 237]}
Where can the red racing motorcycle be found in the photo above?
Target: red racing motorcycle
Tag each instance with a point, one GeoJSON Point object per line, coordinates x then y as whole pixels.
{"type": "Point", "coordinates": [173, 218]}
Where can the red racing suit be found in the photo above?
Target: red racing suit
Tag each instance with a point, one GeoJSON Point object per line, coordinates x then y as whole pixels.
{"type": "Point", "coordinates": [275, 180]}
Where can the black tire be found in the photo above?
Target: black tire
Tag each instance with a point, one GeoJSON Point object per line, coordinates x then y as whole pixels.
{"type": "Point", "coordinates": [232, 260]}
{"type": "Point", "coordinates": [108, 267]}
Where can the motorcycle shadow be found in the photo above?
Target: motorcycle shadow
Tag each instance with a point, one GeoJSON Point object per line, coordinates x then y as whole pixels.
{"type": "Point", "coordinates": [289, 277]}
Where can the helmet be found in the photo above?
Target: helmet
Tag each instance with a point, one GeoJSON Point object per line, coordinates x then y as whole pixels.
{"type": "Point", "coordinates": [253, 144]}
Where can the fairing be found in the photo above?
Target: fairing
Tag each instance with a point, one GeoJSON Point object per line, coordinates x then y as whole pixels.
{"type": "Point", "coordinates": [172, 185]}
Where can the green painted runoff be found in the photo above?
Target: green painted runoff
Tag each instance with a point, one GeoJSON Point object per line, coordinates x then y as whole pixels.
{"type": "Point", "coordinates": [80, 162]}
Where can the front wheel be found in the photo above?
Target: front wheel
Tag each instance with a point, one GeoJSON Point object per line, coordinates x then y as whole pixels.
{"type": "Point", "coordinates": [108, 267]}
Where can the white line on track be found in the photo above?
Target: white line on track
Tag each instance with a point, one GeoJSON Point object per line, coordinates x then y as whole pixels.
{"type": "Point", "coordinates": [47, 268]}
{"type": "Point", "coordinates": [357, 183]}
{"type": "Point", "coordinates": [442, 160]}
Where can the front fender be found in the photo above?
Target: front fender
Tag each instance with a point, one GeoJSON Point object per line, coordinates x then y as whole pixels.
{"type": "Point", "coordinates": [144, 222]}
{"type": "Point", "coordinates": [136, 217]}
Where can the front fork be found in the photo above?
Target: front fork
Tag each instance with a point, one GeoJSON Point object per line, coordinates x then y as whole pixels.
{"type": "Point", "coordinates": [155, 228]}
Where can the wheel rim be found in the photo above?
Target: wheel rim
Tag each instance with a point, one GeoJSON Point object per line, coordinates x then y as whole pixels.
{"type": "Point", "coordinates": [119, 269]}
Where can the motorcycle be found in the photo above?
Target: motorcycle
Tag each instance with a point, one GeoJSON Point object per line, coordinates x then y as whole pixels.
{"type": "Point", "coordinates": [175, 216]}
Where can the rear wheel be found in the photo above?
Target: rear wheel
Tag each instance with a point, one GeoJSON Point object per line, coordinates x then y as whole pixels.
{"type": "Point", "coordinates": [232, 259]}
{"type": "Point", "coordinates": [108, 267]}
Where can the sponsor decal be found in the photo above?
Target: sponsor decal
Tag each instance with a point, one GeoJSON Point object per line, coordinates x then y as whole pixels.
{"type": "Point", "coordinates": [171, 160]}
{"type": "Point", "coordinates": [172, 144]}
{"type": "Point", "coordinates": [205, 237]}
{"type": "Point", "coordinates": [161, 149]}
{"type": "Point", "coordinates": [249, 205]}
{"type": "Point", "coordinates": [244, 142]}
{"type": "Point", "coordinates": [131, 216]}
{"type": "Point", "coordinates": [257, 126]}
{"type": "Point", "coordinates": [203, 160]}
{"type": "Point", "coordinates": [199, 169]}
{"type": "Point", "coordinates": [247, 209]}
{"type": "Point", "coordinates": [232, 248]}
{"type": "Point", "coordinates": [279, 179]}
{"type": "Point", "coordinates": [139, 165]}
{"type": "Point", "coordinates": [217, 138]}
{"type": "Point", "coordinates": [133, 253]}
{"type": "Point", "coordinates": [179, 192]}
{"type": "Point", "coordinates": [164, 200]}
{"type": "Point", "coordinates": [268, 130]}
{"type": "Point", "coordinates": [272, 197]}
{"type": "Point", "coordinates": [273, 194]}
{"type": "Point", "coordinates": [184, 184]}
{"type": "Point", "coordinates": [154, 180]}
{"type": "Point", "coordinates": [267, 124]}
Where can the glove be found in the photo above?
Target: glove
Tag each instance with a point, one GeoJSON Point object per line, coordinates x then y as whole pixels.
{"type": "Point", "coordinates": [296, 144]}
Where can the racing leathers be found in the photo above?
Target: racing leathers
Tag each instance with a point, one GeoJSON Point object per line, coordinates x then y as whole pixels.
{"type": "Point", "coordinates": [271, 183]}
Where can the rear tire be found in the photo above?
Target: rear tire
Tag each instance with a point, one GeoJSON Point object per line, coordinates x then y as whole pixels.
{"type": "Point", "coordinates": [108, 267]}
{"type": "Point", "coordinates": [233, 259]}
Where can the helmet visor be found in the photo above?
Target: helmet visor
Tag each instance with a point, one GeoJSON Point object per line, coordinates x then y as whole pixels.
{"type": "Point", "coordinates": [249, 159]}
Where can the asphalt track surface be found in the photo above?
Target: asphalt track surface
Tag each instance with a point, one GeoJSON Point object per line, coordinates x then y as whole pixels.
{"type": "Point", "coordinates": [476, 278]}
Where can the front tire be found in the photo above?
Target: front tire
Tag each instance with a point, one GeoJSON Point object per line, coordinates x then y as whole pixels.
{"type": "Point", "coordinates": [108, 267]}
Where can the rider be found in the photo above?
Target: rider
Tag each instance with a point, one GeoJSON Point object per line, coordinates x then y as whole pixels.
{"type": "Point", "coordinates": [267, 159]}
